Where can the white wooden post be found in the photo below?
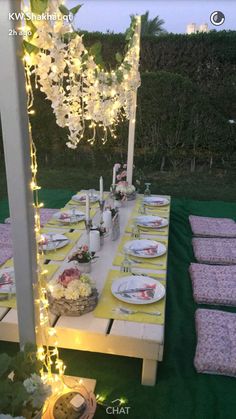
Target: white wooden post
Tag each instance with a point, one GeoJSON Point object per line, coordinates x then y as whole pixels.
{"type": "Point", "coordinates": [14, 119]}
{"type": "Point", "coordinates": [132, 121]}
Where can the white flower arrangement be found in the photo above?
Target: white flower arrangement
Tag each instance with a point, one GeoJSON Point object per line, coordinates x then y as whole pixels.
{"type": "Point", "coordinates": [78, 88]}
{"type": "Point", "coordinates": [125, 189]}
{"type": "Point", "coordinates": [37, 389]}
{"type": "Point", "coordinates": [71, 285]}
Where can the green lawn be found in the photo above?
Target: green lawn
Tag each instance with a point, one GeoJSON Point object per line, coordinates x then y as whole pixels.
{"type": "Point", "coordinates": [180, 392]}
{"type": "Point", "coordinates": [202, 186]}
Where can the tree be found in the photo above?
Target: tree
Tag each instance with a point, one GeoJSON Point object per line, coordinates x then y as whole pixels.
{"type": "Point", "coordinates": [152, 27]}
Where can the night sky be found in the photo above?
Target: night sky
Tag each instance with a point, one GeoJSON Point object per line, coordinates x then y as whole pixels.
{"type": "Point", "coordinates": [113, 15]}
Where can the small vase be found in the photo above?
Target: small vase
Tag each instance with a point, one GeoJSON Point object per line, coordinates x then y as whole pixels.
{"type": "Point", "coordinates": [85, 267]}
{"type": "Point", "coordinates": [101, 240]}
{"type": "Point", "coordinates": [117, 204]}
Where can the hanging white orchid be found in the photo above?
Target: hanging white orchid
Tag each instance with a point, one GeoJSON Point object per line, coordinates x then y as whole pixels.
{"type": "Point", "coordinates": [80, 91]}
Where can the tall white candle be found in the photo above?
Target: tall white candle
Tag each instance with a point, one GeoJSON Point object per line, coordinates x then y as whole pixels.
{"type": "Point", "coordinates": [114, 175]}
{"type": "Point", "coordinates": [101, 188]}
{"type": "Point", "coordinates": [87, 208]}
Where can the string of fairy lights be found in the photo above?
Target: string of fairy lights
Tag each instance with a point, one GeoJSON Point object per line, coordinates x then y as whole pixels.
{"type": "Point", "coordinates": [81, 94]}
{"type": "Point", "coordinates": [47, 353]}
{"type": "Point", "coordinates": [85, 98]}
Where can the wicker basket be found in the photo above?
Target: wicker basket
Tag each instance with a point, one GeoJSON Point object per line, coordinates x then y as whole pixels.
{"type": "Point", "coordinates": [64, 307]}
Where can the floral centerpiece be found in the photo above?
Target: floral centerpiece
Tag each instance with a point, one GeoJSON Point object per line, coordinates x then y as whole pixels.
{"type": "Point", "coordinates": [123, 190]}
{"type": "Point", "coordinates": [72, 293]}
{"type": "Point", "coordinates": [83, 257]}
{"type": "Point", "coordinates": [22, 391]}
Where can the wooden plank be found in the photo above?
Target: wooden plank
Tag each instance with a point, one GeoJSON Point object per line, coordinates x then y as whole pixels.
{"type": "Point", "coordinates": [3, 312]}
{"type": "Point", "coordinates": [108, 344]}
{"type": "Point", "coordinates": [87, 322]}
{"type": "Point", "coordinates": [143, 331]}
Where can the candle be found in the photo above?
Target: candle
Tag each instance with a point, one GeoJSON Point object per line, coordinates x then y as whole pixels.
{"type": "Point", "coordinates": [101, 188]}
{"type": "Point", "coordinates": [87, 208]}
{"type": "Point", "coordinates": [114, 175]}
{"type": "Point", "coordinates": [94, 237]}
{"type": "Point", "coordinates": [107, 219]}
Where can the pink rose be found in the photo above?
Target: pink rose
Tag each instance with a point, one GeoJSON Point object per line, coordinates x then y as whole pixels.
{"type": "Point", "coordinates": [69, 275]}
{"type": "Point", "coordinates": [85, 248]}
{"type": "Point", "coordinates": [118, 177]}
{"type": "Point", "coordinates": [123, 174]}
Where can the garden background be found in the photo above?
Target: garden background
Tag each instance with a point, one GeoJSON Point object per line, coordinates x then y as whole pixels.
{"type": "Point", "coordinates": [185, 142]}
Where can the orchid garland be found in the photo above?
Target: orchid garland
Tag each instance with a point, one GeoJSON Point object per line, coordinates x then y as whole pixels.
{"type": "Point", "coordinates": [81, 92]}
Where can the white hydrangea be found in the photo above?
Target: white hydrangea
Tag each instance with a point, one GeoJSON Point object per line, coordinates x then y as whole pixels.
{"type": "Point", "coordinates": [57, 291]}
{"type": "Point", "coordinates": [72, 294]}
{"type": "Point", "coordinates": [37, 389]}
{"type": "Point", "coordinates": [126, 190]}
{"type": "Point", "coordinates": [84, 289]}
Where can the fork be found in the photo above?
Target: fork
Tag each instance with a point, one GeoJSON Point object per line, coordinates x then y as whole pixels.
{"type": "Point", "coordinates": [129, 311]}
{"type": "Point", "coordinates": [149, 263]}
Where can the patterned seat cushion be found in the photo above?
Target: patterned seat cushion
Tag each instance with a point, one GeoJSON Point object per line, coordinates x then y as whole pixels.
{"type": "Point", "coordinates": [213, 284]}
{"type": "Point", "coordinates": [45, 215]}
{"type": "Point", "coordinates": [6, 252]}
{"type": "Point", "coordinates": [216, 342]}
{"type": "Point", "coordinates": [5, 234]}
{"type": "Point", "coordinates": [215, 251]}
{"type": "Point", "coordinates": [212, 227]}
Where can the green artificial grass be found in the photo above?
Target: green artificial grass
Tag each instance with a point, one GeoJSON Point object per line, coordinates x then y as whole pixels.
{"type": "Point", "coordinates": [179, 393]}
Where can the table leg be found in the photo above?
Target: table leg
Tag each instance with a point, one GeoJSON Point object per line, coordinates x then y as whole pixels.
{"type": "Point", "coordinates": [149, 371]}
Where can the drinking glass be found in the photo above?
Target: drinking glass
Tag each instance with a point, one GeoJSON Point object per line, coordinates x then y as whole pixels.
{"type": "Point", "coordinates": [126, 264]}
{"type": "Point", "coordinates": [147, 191]}
{"type": "Point", "coordinates": [135, 234]}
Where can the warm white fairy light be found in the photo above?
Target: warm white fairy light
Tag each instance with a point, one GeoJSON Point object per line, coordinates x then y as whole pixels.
{"type": "Point", "coordinates": [47, 354]}
{"type": "Point", "coordinates": [79, 90]}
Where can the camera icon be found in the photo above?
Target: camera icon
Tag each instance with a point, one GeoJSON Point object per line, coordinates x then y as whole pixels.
{"type": "Point", "coordinates": [217, 18]}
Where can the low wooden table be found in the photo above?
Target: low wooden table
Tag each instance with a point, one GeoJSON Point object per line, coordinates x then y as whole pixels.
{"type": "Point", "coordinates": [88, 333]}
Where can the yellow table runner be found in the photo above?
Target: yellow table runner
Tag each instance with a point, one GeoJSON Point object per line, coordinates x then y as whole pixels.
{"type": "Point", "coordinates": [11, 303]}
{"type": "Point", "coordinates": [108, 306]}
{"type": "Point", "coordinates": [60, 254]}
{"type": "Point", "coordinates": [147, 263]}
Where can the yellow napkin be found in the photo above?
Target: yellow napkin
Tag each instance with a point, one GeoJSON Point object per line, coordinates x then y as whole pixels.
{"type": "Point", "coordinates": [11, 303]}
{"type": "Point", "coordinates": [108, 305]}
{"type": "Point", "coordinates": [60, 254]}
{"type": "Point", "coordinates": [159, 262]}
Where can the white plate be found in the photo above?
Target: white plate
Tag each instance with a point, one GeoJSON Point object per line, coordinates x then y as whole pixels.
{"type": "Point", "coordinates": [136, 248]}
{"type": "Point", "coordinates": [66, 217]}
{"type": "Point", "coordinates": [155, 292]}
{"type": "Point", "coordinates": [82, 198]}
{"type": "Point", "coordinates": [148, 221]}
{"type": "Point", "coordinates": [7, 281]}
{"type": "Point", "coordinates": [155, 201]}
{"type": "Point", "coordinates": [55, 241]}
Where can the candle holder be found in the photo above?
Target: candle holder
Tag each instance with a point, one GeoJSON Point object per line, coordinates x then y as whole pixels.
{"type": "Point", "coordinates": [88, 225]}
{"type": "Point", "coordinates": [101, 206]}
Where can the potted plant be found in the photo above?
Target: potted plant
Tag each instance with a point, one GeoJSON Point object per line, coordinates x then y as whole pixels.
{"type": "Point", "coordinates": [83, 257]}
{"type": "Point", "coordinates": [72, 293]}
{"type": "Point", "coordinates": [22, 391]}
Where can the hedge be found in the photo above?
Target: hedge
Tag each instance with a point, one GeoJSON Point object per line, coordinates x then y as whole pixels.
{"type": "Point", "coordinates": [185, 100]}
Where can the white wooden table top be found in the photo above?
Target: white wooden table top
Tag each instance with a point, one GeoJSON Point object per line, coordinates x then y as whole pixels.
{"type": "Point", "coordinates": [100, 268]}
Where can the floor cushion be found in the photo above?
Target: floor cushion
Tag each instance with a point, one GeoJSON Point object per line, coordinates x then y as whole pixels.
{"type": "Point", "coordinates": [215, 250]}
{"type": "Point", "coordinates": [212, 227]}
{"type": "Point", "coordinates": [45, 215]}
{"type": "Point", "coordinates": [216, 342]}
{"type": "Point", "coordinates": [213, 284]}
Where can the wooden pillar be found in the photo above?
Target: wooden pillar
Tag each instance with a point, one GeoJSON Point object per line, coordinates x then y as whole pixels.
{"type": "Point", "coordinates": [132, 122]}
{"type": "Point", "coordinates": [15, 130]}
